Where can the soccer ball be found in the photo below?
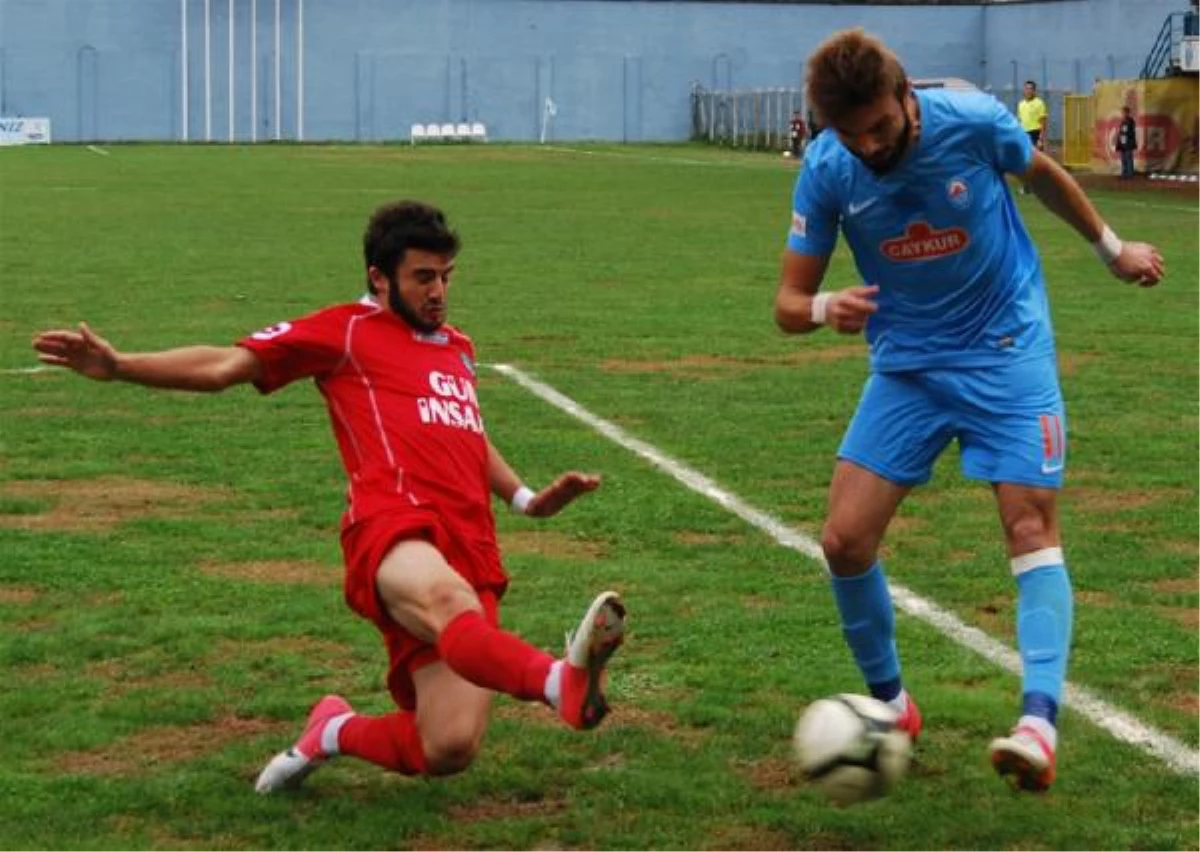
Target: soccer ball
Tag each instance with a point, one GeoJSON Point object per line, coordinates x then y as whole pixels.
{"type": "Point", "coordinates": [787, 154]}
{"type": "Point", "coordinates": [849, 748]}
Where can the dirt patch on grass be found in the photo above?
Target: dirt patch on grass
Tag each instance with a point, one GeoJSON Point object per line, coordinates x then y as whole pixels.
{"type": "Point", "coordinates": [659, 721]}
{"type": "Point", "coordinates": [1116, 500]}
{"type": "Point", "coordinates": [18, 594]}
{"type": "Point", "coordinates": [122, 678]}
{"type": "Point", "coordinates": [490, 809]}
{"type": "Point", "coordinates": [1182, 548]}
{"type": "Point", "coordinates": [1185, 702]}
{"type": "Point", "coordinates": [752, 837]}
{"type": "Point", "coordinates": [771, 773]}
{"type": "Point", "coordinates": [694, 538]}
{"type": "Point", "coordinates": [164, 745]}
{"type": "Point", "coordinates": [1069, 363]}
{"type": "Point", "coordinates": [1095, 599]}
{"type": "Point", "coordinates": [1177, 585]}
{"type": "Point", "coordinates": [80, 505]}
{"type": "Point", "coordinates": [289, 573]}
{"type": "Point", "coordinates": [550, 543]}
{"type": "Point", "coordinates": [1189, 617]}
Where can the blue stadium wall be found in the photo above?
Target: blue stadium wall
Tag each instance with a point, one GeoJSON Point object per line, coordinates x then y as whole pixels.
{"type": "Point", "coordinates": [107, 70]}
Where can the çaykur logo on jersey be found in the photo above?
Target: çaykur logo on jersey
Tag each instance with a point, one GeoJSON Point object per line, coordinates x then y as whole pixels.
{"type": "Point", "coordinates": [453, 404]}
{"type": "Point", "coordinates": [921, 241]}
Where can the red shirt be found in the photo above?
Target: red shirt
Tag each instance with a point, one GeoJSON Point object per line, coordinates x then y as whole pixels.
{"type": "Point", "coordinates": [403, 408]}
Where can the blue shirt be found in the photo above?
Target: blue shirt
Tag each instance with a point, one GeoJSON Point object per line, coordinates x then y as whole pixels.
{"type": "Point", "coordinates": [960, 283]}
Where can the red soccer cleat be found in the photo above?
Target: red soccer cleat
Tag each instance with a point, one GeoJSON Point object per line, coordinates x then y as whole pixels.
{"type": "Point", "coordinates": [581, 704]}
{"type": "Point", "coordinates": [289, 768]}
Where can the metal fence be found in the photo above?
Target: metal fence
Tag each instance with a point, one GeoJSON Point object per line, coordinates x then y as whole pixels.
{"type": "Point", "coordinates": [758, 118]}
{"type": "Point", "coordinates": [754, 118]}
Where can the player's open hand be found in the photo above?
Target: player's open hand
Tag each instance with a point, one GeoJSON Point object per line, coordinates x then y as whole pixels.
{"type": "Point", "coordinates": [83, 351]}
{"type": "Point", "coordinates": [848, 311]}
{"type": "Point", "coordinates": [1139, 263]}
{"type": "Point", "coordinates": [557, 495]}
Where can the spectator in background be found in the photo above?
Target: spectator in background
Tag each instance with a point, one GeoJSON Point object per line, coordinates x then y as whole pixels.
{"type": "Point", "coordinates": [796, 133]}
{"type": "Point", "coordinates": [1126, 141]}
{"type": "Point", "coordinates": [1032, 114]}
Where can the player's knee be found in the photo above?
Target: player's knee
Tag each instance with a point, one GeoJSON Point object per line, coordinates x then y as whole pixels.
{"type": "Point", "coordinates": [449, 598]}
{"type": "Point", "coordinates": [844, 552]}
{"type": "Point", "coordinates": [1029, 531]}
{"type": "Point", "coordinates": [451, 749]}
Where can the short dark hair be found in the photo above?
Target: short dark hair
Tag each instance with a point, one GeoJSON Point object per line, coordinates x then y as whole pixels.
{"type": "Point", "coordinates": [400, 225]}
{"type": "Point", "coordinates": [1031, 84]}
{"type": "Point", "coordinates": [851, 70]}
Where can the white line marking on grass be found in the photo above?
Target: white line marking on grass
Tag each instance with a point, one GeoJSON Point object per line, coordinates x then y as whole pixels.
{"type": "Point", "coordinates": [1175, 754]}
{"type": "Point", "coordinates": [680, 161]}
{"type": "Point", "coordinates": [95, 149]}
{"type": "Point", "coordinates": [1134, 203]}
{"type": "Point", "coordinates": [25, 371]}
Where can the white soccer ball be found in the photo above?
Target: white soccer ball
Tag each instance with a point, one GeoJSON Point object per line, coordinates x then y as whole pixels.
{"type": "Point", "coordinates": [849, 748]}
{"type": "Point", "coordinates": [787, 154]}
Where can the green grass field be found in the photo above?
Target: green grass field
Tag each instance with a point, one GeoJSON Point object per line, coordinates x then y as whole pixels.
{"type": "Point", "coordinates": [170, 600]}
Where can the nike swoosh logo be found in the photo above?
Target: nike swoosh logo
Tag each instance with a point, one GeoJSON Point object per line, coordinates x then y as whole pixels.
{"type": "Point", "coordinates": [1051, 468]}
{"type": "Point", "coordinates": [855, 209]}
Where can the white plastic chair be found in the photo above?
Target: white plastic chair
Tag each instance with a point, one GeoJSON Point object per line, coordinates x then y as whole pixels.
{"type": "Point", "coordinates": [462, 131]}
{"type": "Point", "coordinates": [417, 132]}
{"type": "Point", "coordinates": [448, 132]}
{"type": "Point", "coordinates": [478, 132]}
{"type": "Point", "coordinates": [433, 132]}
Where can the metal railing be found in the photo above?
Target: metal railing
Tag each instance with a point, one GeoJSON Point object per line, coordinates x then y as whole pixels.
{"type": "Point", "coordinates": [753, 118]}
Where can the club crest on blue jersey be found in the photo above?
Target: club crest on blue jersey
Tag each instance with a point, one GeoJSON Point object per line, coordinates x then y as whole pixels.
{"type": "Point", "coordinates": [467, 362]}
{"type": "Point", "coordinates": [958, 193]}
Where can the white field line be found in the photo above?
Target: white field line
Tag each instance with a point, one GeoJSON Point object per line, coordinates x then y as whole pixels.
{"type": "Point", "coordinates": [1175, 754]}
{"type": "Point", "coordinates": [26, 371]}
{"type": "Point", "coordinates": [96, 149]}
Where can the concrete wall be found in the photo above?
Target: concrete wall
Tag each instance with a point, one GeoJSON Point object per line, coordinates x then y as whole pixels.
{"type": "Point", "coordinates": [115, 69]}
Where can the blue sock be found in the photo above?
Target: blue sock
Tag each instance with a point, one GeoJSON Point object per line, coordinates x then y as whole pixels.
{"type": "Point", "coordinates": [1044, 614]}
{"type": "Point", "coordinates": [869, 625]}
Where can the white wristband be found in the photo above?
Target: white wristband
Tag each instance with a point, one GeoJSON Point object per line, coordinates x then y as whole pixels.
{"type": "Point", "coordinates": [1108, 247]}
{"type": "Point", "coordinates": [820, 304]}
{"type": "Point", "coordinates": [521, 499]}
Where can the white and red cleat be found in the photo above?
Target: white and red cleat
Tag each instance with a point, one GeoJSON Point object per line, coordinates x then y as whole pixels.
{"type": "Point", "coordinates": [910, 720]}
{"type": "Point", "coordinates": [581, 704]}
{"type": "Point", "coordinates": [1025, 758]}
{"type": "Point", "coordinates": [288, 769]}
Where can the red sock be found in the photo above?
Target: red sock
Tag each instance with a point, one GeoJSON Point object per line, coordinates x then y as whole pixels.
{"type": "Point", "coordinates": [389, 741]}
{"type": "Point", "coordinates": [489, 657]}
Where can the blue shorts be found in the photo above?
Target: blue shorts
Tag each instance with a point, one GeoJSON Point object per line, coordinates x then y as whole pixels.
{"type": "Point", "coordinates": [1009, 422]}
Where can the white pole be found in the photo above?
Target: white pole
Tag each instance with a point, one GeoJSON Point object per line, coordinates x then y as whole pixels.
{"type": "Point", "coordinates": [299, 70]}
{"type": "Point", "coordinates": [278, 86]}
{"type": "Point", "coordinates": [253, 70]}
{"type": "Point", "coordinates": [183, 65]}
{"type": "Point", "coordinates": [231, 88]}
{"type": "Point", "coordinates": [207, 72]}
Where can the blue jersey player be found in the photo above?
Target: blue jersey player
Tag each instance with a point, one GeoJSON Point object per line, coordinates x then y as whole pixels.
{"type": "Point", "coordinates": [954, 310]}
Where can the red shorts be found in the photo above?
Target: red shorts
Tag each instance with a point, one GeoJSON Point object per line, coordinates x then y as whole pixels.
{"type": "Point", "coordinates": [364, 546]}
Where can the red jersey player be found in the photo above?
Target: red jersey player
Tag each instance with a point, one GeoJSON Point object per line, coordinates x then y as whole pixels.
{"type": "Point", "coordinates": [418, 534]}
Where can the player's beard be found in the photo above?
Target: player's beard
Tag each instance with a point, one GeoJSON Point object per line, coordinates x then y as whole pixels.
{"type": "Point", "coordinates": [882, 167]}
{"type": "Point", "coordinates": [406, 313]}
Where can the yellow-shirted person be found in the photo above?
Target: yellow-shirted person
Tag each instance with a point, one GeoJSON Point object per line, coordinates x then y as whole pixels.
{"type": "Point", "coordinates": [1033, 115]}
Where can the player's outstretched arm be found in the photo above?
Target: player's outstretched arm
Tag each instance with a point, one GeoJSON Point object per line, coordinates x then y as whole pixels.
{"type": "Point", "coordinates": [551, 500]}
{"type": "Point", "coordinates": [1138, 263]}
{"type": "Point", "coordinates": [193, 368]}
